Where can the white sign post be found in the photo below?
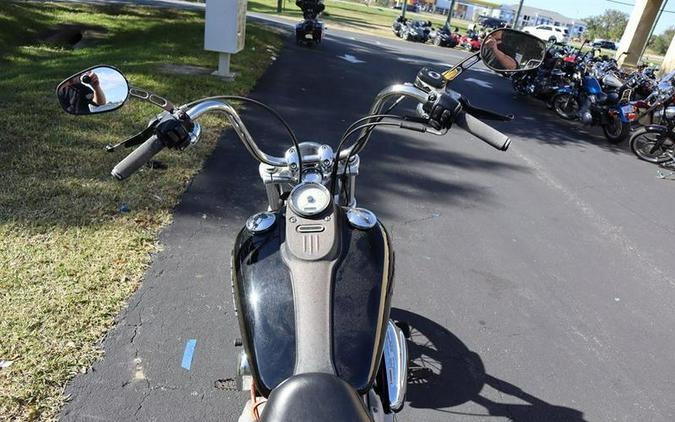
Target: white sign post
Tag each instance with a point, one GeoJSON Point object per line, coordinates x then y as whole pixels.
{"type": "Point", "coordinates": [225, 31]}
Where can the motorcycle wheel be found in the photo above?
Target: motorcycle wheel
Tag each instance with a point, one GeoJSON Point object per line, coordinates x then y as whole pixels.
{"type": "Point", "coordinates": [437, 41]}
{"type": "Point", "coordinates": [616, 131]}
{"type": "Point", "coordinates": [565, 106]}
{"type": "Point", "coordinates": [643, 143]}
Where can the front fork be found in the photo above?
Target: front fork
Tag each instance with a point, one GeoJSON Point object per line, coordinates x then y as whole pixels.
{"type": "Point", "coordinates": [585, 114]}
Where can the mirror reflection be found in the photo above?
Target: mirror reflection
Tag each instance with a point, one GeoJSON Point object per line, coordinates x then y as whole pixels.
{"type": "Point", "coordinates": [511, 50]}
{"type": "Point", "coordinates": [92, 91]}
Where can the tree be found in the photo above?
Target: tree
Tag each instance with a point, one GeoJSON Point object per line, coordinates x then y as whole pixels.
{"type": "Point", "coordinates": [660, 43]}
{"type": "Point", "coordinates": [610, 25]}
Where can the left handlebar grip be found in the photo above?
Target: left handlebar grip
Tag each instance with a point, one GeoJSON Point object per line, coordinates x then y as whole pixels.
{"type": "Point", "coordinates": [483, 131]}
{"type": "Point", "coordinates": [137, 158]}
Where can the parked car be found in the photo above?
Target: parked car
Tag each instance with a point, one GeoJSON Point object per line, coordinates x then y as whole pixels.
{"type": "Point", "coordinates": [609, 45]}
{"type": "Point", "coordinates": [494, 23]}
{"type": "Point", "coordinates": [410, 7]}
{"type": "Point", "coordinates": [548, 32]}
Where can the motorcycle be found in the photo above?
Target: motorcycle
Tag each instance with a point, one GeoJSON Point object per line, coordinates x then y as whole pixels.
{"type": "Point", "coordinates": [416, 31]}
{"type": "Point", "coordinates": [312, 275]}
{"type": "Point", "coordinates": [443, 37]}
{"type": "Point", "coordinates": [654, 142]}
{"type": "Point", "coordinates": [593, 105]}
{"type": "Point", "coordinates": [397, 26]}
{"type": "Point", "coordinates": [310, 30]}
{"type": "Point", "coordinates": [470, 42]}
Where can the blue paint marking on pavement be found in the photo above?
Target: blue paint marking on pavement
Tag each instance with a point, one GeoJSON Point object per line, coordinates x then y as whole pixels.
{"type": "Point", "coordinates": [187, 354]}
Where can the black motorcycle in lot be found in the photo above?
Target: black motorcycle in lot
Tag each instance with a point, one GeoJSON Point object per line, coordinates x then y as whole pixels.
{"type": "Point", "coordinates": [398, 24]}
{"type": "Point", "coordinates": [417, 31]}
{"type": "Point", "coordinates": [310, 30]}
{"type": "Point", "coordinates": [312, 274]}
{"type": "Point", "coordinates": [444, 37]}
{"type": "Point", "coordinates": [655, 142]}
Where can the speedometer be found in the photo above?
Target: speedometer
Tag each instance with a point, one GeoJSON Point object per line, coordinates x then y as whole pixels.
{"type": "Point", "coordinates": [308, 199]}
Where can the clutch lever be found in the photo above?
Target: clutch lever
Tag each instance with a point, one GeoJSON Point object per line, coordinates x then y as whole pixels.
{"type": "Point", "coordinates": [137, 139]}
{"type": "Point", "coordinates": [420, 124]}
{"type": "Point", "coordinates": [482, 113]}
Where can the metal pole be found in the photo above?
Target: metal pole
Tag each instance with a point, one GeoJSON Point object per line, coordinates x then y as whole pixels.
{"type": "Point", "coordinates": [452, 7]}
{"type": "Point", "coordinates": [515, 21]}
{"type": "Point", "coordinates": [403, 7]}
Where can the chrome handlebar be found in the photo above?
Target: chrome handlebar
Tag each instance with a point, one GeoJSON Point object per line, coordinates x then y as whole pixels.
{"type": "Point", "coordinates": [398, 90]}
{"type": "Point", "coordinates": [239, 127]}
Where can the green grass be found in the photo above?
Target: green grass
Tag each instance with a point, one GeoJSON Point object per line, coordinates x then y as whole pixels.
{"type": "Point", "coordinates": [68, 258]}
{"type": "Point", "coordinates": [352, 16]}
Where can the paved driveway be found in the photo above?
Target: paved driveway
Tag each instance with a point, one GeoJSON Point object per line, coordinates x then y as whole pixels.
{"type": "Point", "coordinates": [539, 282]}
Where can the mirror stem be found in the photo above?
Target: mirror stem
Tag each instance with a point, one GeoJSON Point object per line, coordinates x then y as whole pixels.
{"type": "Point", "coordinates": [152, 98]}
{"type": "Point", "coordinates": [457, 69]}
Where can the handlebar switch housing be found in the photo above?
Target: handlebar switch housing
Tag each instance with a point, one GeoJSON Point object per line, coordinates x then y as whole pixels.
{"type": "Point", "coordinates": [174, 130]}
{"type": "Point", "coordinates": [442, 110]}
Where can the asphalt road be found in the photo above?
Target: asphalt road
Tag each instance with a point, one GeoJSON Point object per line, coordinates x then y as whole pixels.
{"type": "Point", "coordinates": [539, 282]}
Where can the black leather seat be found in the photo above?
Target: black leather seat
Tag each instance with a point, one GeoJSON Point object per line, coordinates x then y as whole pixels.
{"type": "Point", "coordinates": [314, 397]}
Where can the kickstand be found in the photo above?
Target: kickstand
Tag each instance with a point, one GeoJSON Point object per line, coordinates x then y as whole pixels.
{"type": "Point", "coordinates": [669, 165]}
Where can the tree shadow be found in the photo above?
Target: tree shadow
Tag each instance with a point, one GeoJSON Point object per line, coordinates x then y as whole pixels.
{"type": "Point", "coordinates": [445, 373]}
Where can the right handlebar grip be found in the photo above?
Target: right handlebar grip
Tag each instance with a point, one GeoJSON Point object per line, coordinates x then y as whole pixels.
{"type": "Point", "coordinates": [483, 131]}
{"type": "Point", "coordinates": [137, 158]}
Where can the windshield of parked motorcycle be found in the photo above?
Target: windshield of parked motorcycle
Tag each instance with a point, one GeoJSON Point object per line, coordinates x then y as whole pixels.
{"type": "Point", "coordinates": [667, 81]}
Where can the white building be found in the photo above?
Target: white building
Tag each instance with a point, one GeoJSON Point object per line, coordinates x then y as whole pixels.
{"type": "Point", "coordinates": [532, 16]}
{"type": "Point", "coordinates": [464, 9]}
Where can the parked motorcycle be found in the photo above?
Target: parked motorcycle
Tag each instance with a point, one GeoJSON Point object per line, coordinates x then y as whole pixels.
{"type": "Point", "coordinates": [470, 41]}
{"type": "Point", "coordinates": [310, 30]}
{"type": "Point", "coordinates": [398, 24]}
{"type": "Point", "coordinates": [654, 142]}
{"type": "Point", "coordinates": [443, 37]}
{"type": "Point", "coordinates": [312, 275]}
{"type": "Point", "coordinates": [595, 105]}
{"type": "Point", "coordinates": [417, 31]}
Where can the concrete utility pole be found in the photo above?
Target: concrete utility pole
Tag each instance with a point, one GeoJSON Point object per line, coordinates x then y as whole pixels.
{"type": "Point", "coordinates": [651, 32]}
{"type": "Point", "coordinates": [515, 21]}
{"type": "Point", "coordinates": [452, 7]}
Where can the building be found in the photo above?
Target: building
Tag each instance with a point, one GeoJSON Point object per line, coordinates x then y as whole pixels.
{"type": "Point", "coordinates": [464, 9]}
{"type": "Point", "coordinates": [532, 16]}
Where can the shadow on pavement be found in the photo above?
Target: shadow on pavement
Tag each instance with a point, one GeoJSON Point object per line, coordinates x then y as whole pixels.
{"type": "Point", "coordinates": [445, 373]}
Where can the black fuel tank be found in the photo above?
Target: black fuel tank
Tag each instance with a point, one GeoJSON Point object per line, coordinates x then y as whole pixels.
{"type": "Point", "coordinates": [361, 294]}
{"type": "Point", "coordinates": [263, 296]}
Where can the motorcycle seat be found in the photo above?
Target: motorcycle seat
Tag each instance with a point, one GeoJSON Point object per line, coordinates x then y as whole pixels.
{"type": "Point", "coordinates": [315, 397]}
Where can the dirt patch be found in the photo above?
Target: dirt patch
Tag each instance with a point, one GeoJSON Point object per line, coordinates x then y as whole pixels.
{"type": "Point", "coordinates": [71, 35]}
{"type": "Point", "coordinates": [184, 69]}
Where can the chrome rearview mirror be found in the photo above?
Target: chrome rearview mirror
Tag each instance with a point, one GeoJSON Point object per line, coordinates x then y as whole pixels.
{"type": "Point", "coordinates": [508, 50]}
{"type": "Point", "coordinates": [95, 90]}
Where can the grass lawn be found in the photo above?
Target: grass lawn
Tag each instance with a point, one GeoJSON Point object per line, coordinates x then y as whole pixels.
{"type": "Point", "coordinates": [69, 258]}
{"type": "Point", "coordinates": [352, 16]}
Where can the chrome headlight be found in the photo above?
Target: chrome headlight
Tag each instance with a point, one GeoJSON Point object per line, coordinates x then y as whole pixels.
{"type": "Point", "coordinates": [670, 112]}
